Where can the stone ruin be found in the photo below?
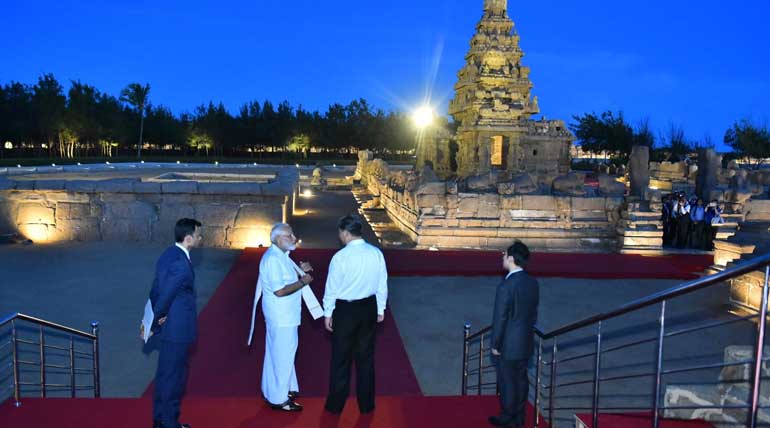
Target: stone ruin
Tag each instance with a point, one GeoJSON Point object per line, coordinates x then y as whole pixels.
{"type": "Point", "coordinates": [492, 210]}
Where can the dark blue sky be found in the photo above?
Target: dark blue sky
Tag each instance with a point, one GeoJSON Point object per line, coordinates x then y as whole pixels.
{"type": "Point", "coordinates": [700, 65]}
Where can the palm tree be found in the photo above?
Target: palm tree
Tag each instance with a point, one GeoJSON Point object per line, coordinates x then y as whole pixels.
{"type": "Point", "coordinates": [136, 95]}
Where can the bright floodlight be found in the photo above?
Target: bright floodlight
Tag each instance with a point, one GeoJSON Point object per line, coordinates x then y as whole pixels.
{"type": "Point", "coordinates": [423, 116]}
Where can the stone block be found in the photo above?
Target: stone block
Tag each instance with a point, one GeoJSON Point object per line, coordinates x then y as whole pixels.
{"type": "Point", "coordinates": [489, 206]}
{"type": "Point", "coordinates": [35, 214]}
{"type": "Point", "coordinates": [511, 202]}
{"type": "Point", "coordinates": [50, 184]}
{"type": "Point", "coordinates": [81, 186]}
{"type": "Point", "coordinates": [86, 229]}
{"type": "Point", "coordinates": [432, 188]}
{"type": "Point", "coordinates": [587, 204]}
{"type": "Point", "coordinates": [130, 210]}
{"type": "Point", "coordinates": [254, 236]}
{"type": "Point", "coordinates": [7, 184]}
{"type": "Point", "coordinates": [690, 396]}
{"type": "Point", "coordinates": [25, 185]}
{"type": "Point", "coordinates": [214, 236]}
{"type": "Point", "coordinates": [230, 188]}
{"type": "Point", "coordinates": [35, 232]}
{"type": "Point", "coordinates": [250, 216]}
{"type": "Point", "coordinates": [278, 188]}
{"type": "Point", "coordinates": [539, 202]}
{"type": "Point", "coordinates": [216, 214]}
{"type": "Point", "coordinates": [741, 373]}
{"type": "Point", "coordinates": [467, 205]}
{"type": "Point", "coordinates": [125, 229]}
{"type": "Point", "coordinates": [67, 210]}
{"type": "Point", "coordinates": [120, 185]}
{"type": "Point", "coordinates": [147, 187]}
{"type": "Point", "coordinates": [179, 187]}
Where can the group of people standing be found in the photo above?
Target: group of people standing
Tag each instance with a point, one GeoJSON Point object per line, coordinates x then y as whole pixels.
{"type": "Point", "coordinates": [354, 302]}
{"type": "Point", "coordinates": [690, 223]}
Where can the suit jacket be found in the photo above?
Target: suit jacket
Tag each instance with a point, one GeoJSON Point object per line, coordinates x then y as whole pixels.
{"type": "Point", "coordinates": [173, 296]}
{"type": "Point", "coordinates": [514, 316]}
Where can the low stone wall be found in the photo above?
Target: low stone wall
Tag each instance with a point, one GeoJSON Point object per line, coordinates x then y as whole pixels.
{"type": "Point", "coordinates": [234, 214]}
{"type": "Point", "coordinates": [436, 214]}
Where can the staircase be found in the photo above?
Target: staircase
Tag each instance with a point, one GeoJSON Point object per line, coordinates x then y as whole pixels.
{"type": "Point", "coordinates": [631, 366]}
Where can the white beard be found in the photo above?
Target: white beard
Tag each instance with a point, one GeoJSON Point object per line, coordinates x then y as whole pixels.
{"type": "Point", "coordinates": [292, 247]}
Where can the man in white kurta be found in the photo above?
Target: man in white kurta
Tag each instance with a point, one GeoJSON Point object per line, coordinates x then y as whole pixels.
{"type": "Point", "coordinates": [282, 306]}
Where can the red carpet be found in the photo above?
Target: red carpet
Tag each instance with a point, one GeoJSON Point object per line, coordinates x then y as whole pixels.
{"type": "Point", "coordinates": [568, 265]}
{"type": "Point", "coordinates": [391, 412]}
{"type": "Point", "coordinates": [639, 420]}
{"type": "Point", "coordinates": [223, 387]}
{"type": "Point", "coordinates": [223, 366]}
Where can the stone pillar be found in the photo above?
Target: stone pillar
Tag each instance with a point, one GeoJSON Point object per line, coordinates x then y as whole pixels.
{"type": "Point", "coordinates": [484, 142]}
{"type": "Point", "coordinates": [639, 170]}
{"type": "Point", "coordinates": [709, 165]}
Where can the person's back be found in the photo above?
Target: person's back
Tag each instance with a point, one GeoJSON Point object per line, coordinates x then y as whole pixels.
{"type": "Point", "coordinates": [180, 311]}
{"type": "Point", "coordinates": [519, 334]}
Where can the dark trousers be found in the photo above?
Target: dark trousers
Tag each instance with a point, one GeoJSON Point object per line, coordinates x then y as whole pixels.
{"type": "Point", "coordinates": [696, 239]}
{"type": "Point", "coordinates": [353, 325]}
{"type": "Point", "coordinates": [683, 231]}
{"type": "Point", "coordinates": [514, 388]}
{"type": "Point", "coordinates": [170, 379]}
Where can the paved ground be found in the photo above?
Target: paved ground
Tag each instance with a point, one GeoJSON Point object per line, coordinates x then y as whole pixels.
{"type": "Point", "coordinates": [78, 282]}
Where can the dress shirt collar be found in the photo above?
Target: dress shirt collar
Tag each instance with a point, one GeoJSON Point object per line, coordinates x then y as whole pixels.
{"type": "Point", "coordinates": [516, 270]}
{"type": "Point", "coordinates": [357, 241]}
{"type": "Point", "coordinates": [186, 253]}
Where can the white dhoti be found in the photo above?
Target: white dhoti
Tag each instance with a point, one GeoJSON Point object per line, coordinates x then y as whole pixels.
{"type": "Point", "coordinates": [278, 374]}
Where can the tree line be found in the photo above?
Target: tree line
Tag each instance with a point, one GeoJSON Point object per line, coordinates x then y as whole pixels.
{"type": "Point", "coordinates": [610, 133]}
{"type": "Point", "coordinates": [44, 120]}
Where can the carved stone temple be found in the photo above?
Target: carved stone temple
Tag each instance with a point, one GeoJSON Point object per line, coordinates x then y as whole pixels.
{"type": "Point", "coordinates": [493, 105]}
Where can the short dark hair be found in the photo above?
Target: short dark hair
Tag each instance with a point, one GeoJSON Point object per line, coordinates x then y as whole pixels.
{"type": "Point", "coordinates": [519, 252]}
{"type": "Point", "coordinates": [185, 227]}
{"type": "Point", "coordinates": [352, 223]}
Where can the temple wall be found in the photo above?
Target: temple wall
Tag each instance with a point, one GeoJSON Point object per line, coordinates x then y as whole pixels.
{"type": "Point", "coordinates": [233, 214]}
{"type": "Point", "coordinates": [438, 215]}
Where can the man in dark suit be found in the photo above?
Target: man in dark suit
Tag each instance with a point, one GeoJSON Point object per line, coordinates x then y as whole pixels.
{"type": "Point", "coordinates": [514, 318]}
{"type": "Point", "coordinates": [173, 302]}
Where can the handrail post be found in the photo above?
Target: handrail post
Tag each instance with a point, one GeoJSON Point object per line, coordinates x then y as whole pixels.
{"type": "Point", "coordinates": [658, 367]}
{"type": "Point", "coordinates": [757, 379]}
{"type": "Point", "coordinates": [481, 362]}
{"type": "Point", "coordinates": [597, 376]}
{"type": "Point", "coordinates": [95, 356]}
{"type": "Point", "coordinates": [552, 388]}
{"type": "Point", "coordinates": [72, 366]}
{"type": "Point", "coordinates": [537, 380]}
{"type": "Point", "coordinates": [42, 363]}
{"type": "Point", "coordinates": [466, 334]}
{"type": "Point", "coordinates": [15, 357]}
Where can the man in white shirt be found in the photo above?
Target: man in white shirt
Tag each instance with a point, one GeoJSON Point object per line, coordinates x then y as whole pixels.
{"type": "Point", "coordinates": [354, 302]}
{"type": "Point", "coordinates": [282, 307]}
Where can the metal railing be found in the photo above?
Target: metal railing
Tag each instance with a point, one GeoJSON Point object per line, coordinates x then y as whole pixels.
{"type": "Point", "coordinates": [549, 386]}
{"type": "Point", "coordinates": [70, 371]}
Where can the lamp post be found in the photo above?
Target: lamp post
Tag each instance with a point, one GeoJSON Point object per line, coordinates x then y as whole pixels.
{"type": "Point", "coordinates": [423, 118]}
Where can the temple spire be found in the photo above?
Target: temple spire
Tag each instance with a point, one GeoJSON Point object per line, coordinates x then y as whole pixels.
{"type": "Point", "coordinates": [496, 6]}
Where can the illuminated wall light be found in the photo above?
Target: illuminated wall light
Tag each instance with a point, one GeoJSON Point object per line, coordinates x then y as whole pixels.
{"type": "Point", "coordinates": [307, 193]}
{"type": "Point", "coordinates": [78, 163]}
{"type": "Point", "coordinates": [18, 166]}
{"type": "Point", "coordinates": [53, 164]}
{"type": "Point", "coordinates": [108, 162]}
{"type": "Point", "coordinates": [297, 165]}
{"type": "Point", "coordinates": [216, 162]}
{"type": "Point", "coordinates": [38, 233]}
{"type": "Point", "coordinates": [141, 162]}
{"type": "Point", "coordinates": [177, 162]}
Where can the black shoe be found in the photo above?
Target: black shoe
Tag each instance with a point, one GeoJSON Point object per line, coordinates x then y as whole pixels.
{"type": "Point", "coordinates": [293, 395]}
{"type": "Point", "coordinates": [185, 426]}
{"type": "Point", "coordinates": [330, 410]}
{"type": "Point", "coordinates": [497, 421]}
{"type": "Point", "coordinates": [157, 424]}
{"type": "Point", "coordinates": [287, 406]}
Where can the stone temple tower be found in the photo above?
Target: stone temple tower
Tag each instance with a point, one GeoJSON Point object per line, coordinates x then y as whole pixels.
{"type": "Point", "coordinates": [493, 106]}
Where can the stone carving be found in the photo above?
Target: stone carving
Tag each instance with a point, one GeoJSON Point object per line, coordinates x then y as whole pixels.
{"type": "Point", "coordinates": [569, 185]}
{"type": "Point", "coordinates": [494, 90]}
{"type": "Point", "coordinates": [520, 185]}
{"type": "Point", "coordinates": [639, 170]}
{"type": "Point", "coordinates": [608, 186]}
{"type": "Point", "coordinates": [709, 165]}
{"type": "Point", "coordinates": [318, 177]}
{"type": "Point", "coordinates": [481, 183]}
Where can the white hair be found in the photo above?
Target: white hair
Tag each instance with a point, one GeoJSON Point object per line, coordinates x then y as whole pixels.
{"type": "Point", "coordinates": [276, 230]}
